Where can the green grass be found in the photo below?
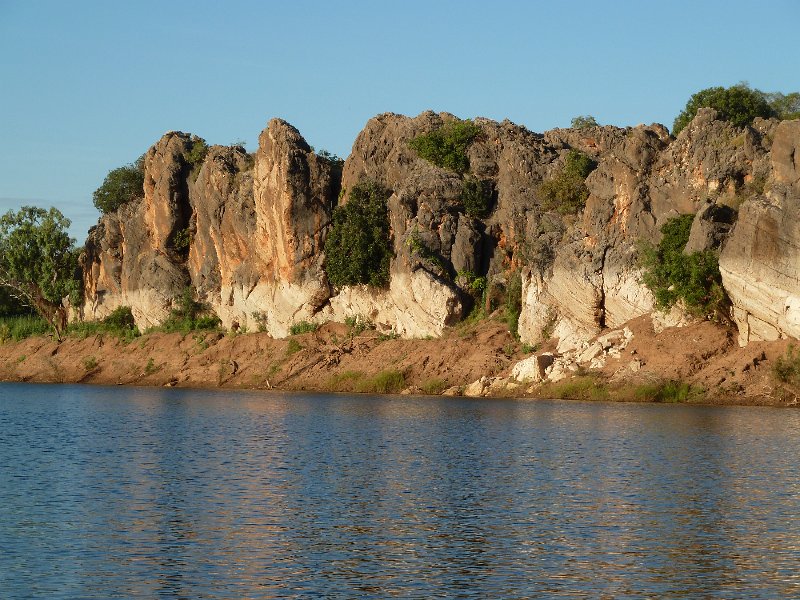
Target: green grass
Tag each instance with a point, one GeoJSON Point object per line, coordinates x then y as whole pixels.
{"type": "Point", "coordinates": [433, 387]}
{"type": "Point", "coordinates": [19, 327]}
{"type": "Point", "coordinates": [344, 381]}
{"type": "Point", "coordinates": [303, 327]}
{"type": "Point", "coordinates": [787, 367]}
{"type": "Point", "coordinates": [580, 387]}
{"type": "Point", "coordinates": [385, 382]}
{"type": "Point", "coordinates": [151, 367]}
{"type": "Point", "coordinates": [668, 391]}
{"type": "Point", "coordinates": [293, 347]}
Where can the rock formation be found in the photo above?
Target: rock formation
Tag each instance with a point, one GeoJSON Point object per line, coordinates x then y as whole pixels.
{"type": "Point", "coordinates": [247, 232]}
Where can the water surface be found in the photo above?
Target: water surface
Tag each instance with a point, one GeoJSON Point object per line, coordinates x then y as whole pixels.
{"type": "Point", "coordinates": [164, 493]}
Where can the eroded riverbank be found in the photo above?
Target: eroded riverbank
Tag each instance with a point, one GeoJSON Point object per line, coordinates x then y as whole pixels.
{"type": "Point", "coordinates": [703, 356]}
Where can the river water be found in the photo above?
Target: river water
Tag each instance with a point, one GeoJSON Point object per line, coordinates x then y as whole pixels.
{"type": "Point", "coordinates": [165, 493]}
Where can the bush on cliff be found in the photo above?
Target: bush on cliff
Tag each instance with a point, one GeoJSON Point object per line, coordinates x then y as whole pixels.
{"type": "Point", "coordinates": [584, 122]}
{"type": "Point", "coordinates": [119, 323]}
{"type": "Point", "coordinates": [120, 186]}
{"type": "Point", "coordinates": [566, 192]}
{"type": "Point", "coordinates": [672, 275]}
{"type": "Point", "coordinates": [739, 104]}
{"type": "Point", "coordinates": [188, 314]}
{"type": "Point", "coordinates": [446, 147]}
{"type": "Point", "coordinates": [476, 194]}
{"type": "Point", "coordinates": [358, 249]}
{"type": "Point", "coordinates": [196, 155]}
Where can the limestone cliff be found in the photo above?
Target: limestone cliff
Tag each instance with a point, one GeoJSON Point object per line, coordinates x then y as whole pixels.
{"type": "Point", "coordinates": [256, 227]}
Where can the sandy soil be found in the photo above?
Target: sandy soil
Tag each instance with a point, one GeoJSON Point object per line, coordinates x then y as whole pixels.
{"type": "Point", "coordinates": [334, 359]}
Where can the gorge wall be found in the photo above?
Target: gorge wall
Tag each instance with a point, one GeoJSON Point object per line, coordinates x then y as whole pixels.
{"type": "Point", "coordinates": [246, 232]}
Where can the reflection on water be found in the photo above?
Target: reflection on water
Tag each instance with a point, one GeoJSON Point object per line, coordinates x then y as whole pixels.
{"type": "Point", "coordinates": [111, 492]}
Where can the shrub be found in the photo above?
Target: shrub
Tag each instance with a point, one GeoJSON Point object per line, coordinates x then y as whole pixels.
{"type": "Point", "coordinates": [89, 363]}
{"type": "Point", "coordinates": [303, 327]}
{"type": "Point", "coordinates": [119, 323]}
{"type": "Point", "coordinates": [385, 382]}
{"type": "Point", "coordinates": [433, 387]}
{"type": "Point", "coordinates": [358, 324]}
{"type": "Point", "coordinates": [181, 240]}
{"type": "Point", "coordinates": [195, 155]}
{"type": "Point", "coordinates": [566, 192]}
{"type": "Point", "coordinates": [120, 186]}
{"type": "Point", "coordinates": [738, 104]}
{"type": "Point", "coordinates": [787, 368]}
{"type": "Point", "coordinates": [669, 391]}
{"type": "Point", "coordinates": [188, 315]}
{"type": "Point", "coordinates": [293, 347]}
{"type": "Point", "coordinates": [473, 283]}
{"type": "Point", "coordinates": [261, 319]}
{"type": "Point", "coordinates": [672, 275]}
{"type": "Point", "coordinates": [476, 195]}
{"type": "Point", "coordinates": [197, 151]}
{"type": "Point", "coordinates": [121, 318]}
{"type": "Point", "coordinates": [151, 367]}
{"type": "Point", "coordinates": [417, 246]}
{"type": "Point", "coordinates": [446, 147]}
{"type": "Point", "coordinates": [336, 165]}
{"type": "Point", "coordinates": [358, 249]}
{"type": "Point", "coordinates": [584, 122]}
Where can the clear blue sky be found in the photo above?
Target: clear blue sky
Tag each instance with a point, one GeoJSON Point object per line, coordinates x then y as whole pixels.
{"type": "Point", "coordinates": [88, 86]}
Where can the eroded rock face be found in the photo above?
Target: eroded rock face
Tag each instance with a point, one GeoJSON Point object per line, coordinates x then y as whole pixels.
{"type": "Point", "coordinates": [760, 263]}
{"type": "Point", "coordinates": [130, 259]}
{"type": "Point", "coordinates": [257, 226]}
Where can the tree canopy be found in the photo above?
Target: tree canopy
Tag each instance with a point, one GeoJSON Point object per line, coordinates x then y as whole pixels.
{"type": "Point", "coordinates": [39, 262]}
{"type": "Point", "coordinates": [120, 186]}
{"type": "Point", "coordinates": [739, 104]}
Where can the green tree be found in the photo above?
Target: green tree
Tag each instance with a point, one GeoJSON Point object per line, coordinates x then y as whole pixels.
{"type": "Point", "coordinates": [39, 262]}
{"type": "Point", "coordinates": [786, 106]}
{"type": "Point", "coordinates": [673, 275]}
{"type": "Point", "coordinates": [738, 104]}
{"type": "Point", "coordinates": [358, 249]}
{"type": "Point", "coordinates": [584, 122]}
{"type": "Point", "coordinates": [120, 186]}
{"type": "Point", "coordinates": [446, 146]}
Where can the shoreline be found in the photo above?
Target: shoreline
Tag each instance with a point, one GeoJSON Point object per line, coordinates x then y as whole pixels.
{"type": "Point", "coordinates": [471, 361]}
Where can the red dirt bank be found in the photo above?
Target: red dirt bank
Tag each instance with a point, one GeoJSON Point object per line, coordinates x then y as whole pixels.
{"type": "Point", "coordinates": [329, 359]}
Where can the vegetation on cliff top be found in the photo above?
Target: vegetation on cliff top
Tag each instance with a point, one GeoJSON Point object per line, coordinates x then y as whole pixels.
{"type": "Point", "coordinates": [120, 186]}
{"type": "Point", "coordinates": [446, 146]}
{"type": "Point", "coordinates": [358, 249]}
{"type": "Point", "coordinates": [740, 104]}
{"type": "Point", "coordinates": [673, 275]}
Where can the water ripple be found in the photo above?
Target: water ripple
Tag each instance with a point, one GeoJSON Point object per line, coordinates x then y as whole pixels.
{"type": "Point", "coordinates": [139, 493]}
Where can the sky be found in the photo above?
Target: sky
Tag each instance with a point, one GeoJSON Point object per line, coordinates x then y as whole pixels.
{"type": "Point", "coordinates": [88, 86]}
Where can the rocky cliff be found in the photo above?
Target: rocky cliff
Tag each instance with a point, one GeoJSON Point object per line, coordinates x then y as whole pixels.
{"type": "Point", "coordinates": [247, 232]}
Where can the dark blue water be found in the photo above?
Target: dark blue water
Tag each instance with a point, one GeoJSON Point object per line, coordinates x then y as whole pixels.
{"type": "Point", "coordinates": [151, 493]}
